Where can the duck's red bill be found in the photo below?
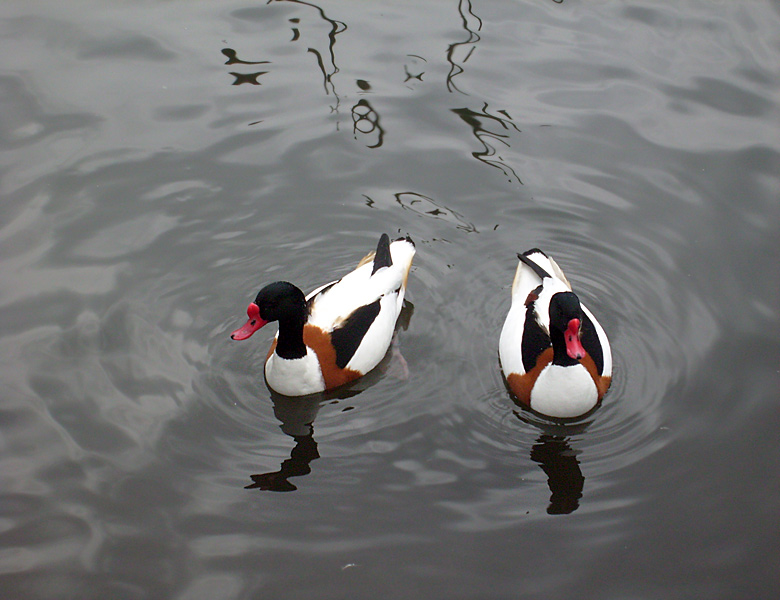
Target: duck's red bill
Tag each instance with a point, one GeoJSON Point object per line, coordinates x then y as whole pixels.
{"type": "Point", "coordinates": [254, 323]}
{"type": "Point", "coordinates": [574, 346]}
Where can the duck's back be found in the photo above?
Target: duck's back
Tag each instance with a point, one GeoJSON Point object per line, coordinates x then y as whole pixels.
{"type": "Point", "coordinates": [360, 310]}
{"type": "Point", "coordinates": [331, 304]}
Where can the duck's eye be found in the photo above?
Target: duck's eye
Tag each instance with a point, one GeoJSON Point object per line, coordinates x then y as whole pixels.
{"type": "Point", "coordinates": [253, 322]}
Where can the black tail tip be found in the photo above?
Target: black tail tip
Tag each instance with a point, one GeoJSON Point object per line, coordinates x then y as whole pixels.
{"type": "Point", "coordinates": [382, 256]}
{"type": "Point", "coordinates": [530, 263]}
{"type": "Point", "coordinates": [531, 251]}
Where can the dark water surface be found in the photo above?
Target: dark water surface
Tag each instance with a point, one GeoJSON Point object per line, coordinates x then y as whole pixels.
{"type": "Point", "coordinates": [160, 161]}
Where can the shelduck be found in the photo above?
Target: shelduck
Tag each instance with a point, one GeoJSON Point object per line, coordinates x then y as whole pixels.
{"type": "Point", "coordinates": [341, 330]}
{"type": "Point", "coordinates": [554, 353]}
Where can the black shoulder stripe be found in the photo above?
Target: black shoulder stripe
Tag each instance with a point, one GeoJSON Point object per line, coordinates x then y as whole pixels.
{"type": "Point", "coordinates": [535, 340]}
{"type": "Point", "coordinates": [590, 341]}
{"type": "Point", "coordinates": [533, 266]}
{"type": "Point", "coordinates": [382, 257]}
{"type": "Point", "coordinates": [347, 338]}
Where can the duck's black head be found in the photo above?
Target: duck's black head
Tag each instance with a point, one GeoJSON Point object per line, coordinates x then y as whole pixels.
{"type": "Point", "coordinates": [566, 318]}
{"type": "Point", "coordinates": [278, 301]}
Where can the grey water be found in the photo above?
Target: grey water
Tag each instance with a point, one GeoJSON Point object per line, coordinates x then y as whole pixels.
{"type": "Point", "coordinates": [161, 160]}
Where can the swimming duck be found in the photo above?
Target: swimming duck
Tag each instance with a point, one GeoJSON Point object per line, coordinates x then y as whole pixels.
{"type": "Point", "coordinates": [554, 353]}
{"type": "Point", "coordinates": [341, 330]}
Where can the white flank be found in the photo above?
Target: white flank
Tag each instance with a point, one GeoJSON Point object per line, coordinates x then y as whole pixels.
{"type": "Point", "coordinates": [605, 347]}
{"type": "Point", "coordinates": [389, 285]}
{"type": "Point", "coordinates": [510, 342]}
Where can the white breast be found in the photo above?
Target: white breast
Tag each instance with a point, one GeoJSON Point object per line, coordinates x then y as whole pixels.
{"type": "Point", "coordinates": [564, 391]}
{"type": "Point", "coordinates": [294, 377]}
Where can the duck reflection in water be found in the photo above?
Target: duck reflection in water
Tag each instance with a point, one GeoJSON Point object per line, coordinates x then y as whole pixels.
{"type": "Point", "coordinates": [559, 462]}
{"type": "Point", "coordinates": [297, 417]}
{"type": "Point", "coordinates": [297, 414]}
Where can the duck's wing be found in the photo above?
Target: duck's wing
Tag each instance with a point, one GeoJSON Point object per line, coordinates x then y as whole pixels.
{"type": "Point", "coordinates": [552, 267]}
{"type": "Point", "coordinates": [359, 311]}
{"type": "Point", "coordinates": [347, 337]}
{"type": "Point", "coordinates": [384, 275]}
{"type": "Point", "coordinates": [526, 331]}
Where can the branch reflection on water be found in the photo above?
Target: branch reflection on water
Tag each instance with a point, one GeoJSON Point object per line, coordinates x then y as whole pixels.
{"type": "Point", "coordinates": [326, 61]}
{"type": "Point", "coordinates": [425, 206]}
{"type": "Point", "coordinates": [327, 68]}
{"type": "Point", "coordinates": [471, 24]}
{"type": "Point", "coordinates": [232, 58]}
{"type": "Point", "coordinates": [413, 76]}
{"type": "Point", "coordinates": [366, 119]}
{"type": "Point", "coordinates": [477, 121]}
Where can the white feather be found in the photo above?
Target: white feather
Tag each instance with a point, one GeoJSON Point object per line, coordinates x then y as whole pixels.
{"type": "Point", "coordinates": [359, 288]}
{"type": "Point", "coordinates": [296, 376]}
{"type": "Point", "coordinates": [510, 342]}
{"type": "Point", "coordinates": [605, 347]}
{"type": "Point", "coordinates": [375, 343]}
{"type": "Point", "coordinates": [332, 305]}
{"type": "Point", "coordinates": [526, 281]}
{"type": "Point", "coordinates": [564, 391]}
